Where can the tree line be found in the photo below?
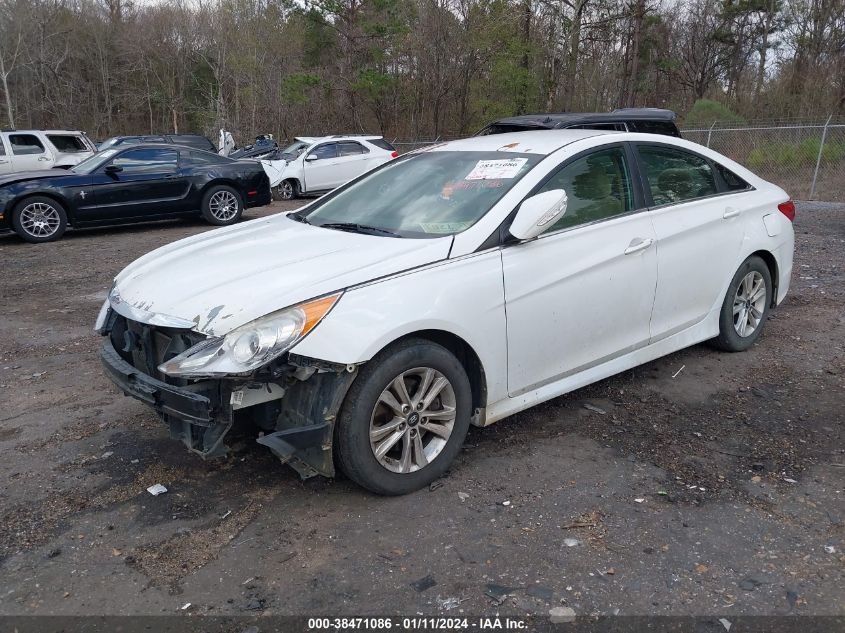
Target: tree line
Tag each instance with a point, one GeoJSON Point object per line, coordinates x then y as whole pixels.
{"type": "Point", "coordinates": [408, 68]}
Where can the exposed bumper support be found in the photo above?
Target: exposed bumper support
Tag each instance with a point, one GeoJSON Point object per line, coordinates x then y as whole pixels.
{"type": "Point", "coordinates": [301, 415]}
{"type": "Point", "coordinates": [166, 399]}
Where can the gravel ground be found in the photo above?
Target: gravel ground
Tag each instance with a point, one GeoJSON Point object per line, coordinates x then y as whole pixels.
{"type": "Point", "coordinates": [701, 483]}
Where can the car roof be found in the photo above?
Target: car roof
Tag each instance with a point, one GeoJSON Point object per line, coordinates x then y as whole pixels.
{"type": "Point", "coordinates": [44, 131]}
{"type": "Point", "coordinates": [337, 137]}
{"type": "Point", "coordinates": [542, 142]}
{"type": "Point", "coordinates": [556, 119]}
{"type": "Point", "coordinates": [125, 148]}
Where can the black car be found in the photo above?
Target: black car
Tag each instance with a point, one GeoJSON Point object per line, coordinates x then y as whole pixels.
{"type": "Point", "coordinates": [648, 120]}
{"type": "Point", "coordinates": [197, 141]}
{"type": "Point", "coordinates": [137, 183]}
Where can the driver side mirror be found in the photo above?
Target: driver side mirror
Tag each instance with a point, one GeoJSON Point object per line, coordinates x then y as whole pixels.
{"type": "Point", "coordinates": [538, 213]}
{"type": "Point", "coordinates": [311, 157]}
{"type": "Point", "coordinates": [113, 169]}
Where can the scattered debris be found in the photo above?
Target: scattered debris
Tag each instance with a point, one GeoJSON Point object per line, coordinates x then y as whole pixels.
{"type": "Point", "coordinates": [675, 375]}
{"type": "Point", "coordinates": [790, 480]}
{"type": "Point", "coordinates": [560, 615]}
{"type": "Point", "coordinates": [156, 490]}
{"type": "Point", "coordinates": [571, 542]}
{"type": "Point", "coordinates": [435, 485]}
{"type": "Point", "coordinates": [749, 584]}
{"type": "Point", "coordinates": [54, 552]}
{"type": "Point", "coordinates": [463, 496]}
{"type": "Point", "coordinates": [506, 503]}
{"type": "Point", "coordinates": [725, 623]}
{"type": "Point", "coordinates": [228, 512]}
{"type": "Point", "coordinates": [594, 409]}
{"type": "Point", "coordinates": [639, 499]}
{"type": "Point", "coordinates": [107, 454]}
{"type": "Point", "coordinates": [424, 583]}
{"type": "Point", "coordinates": [448, 603]}
{"type": "Point", "coordinates": [830, 549]}
{"type": "Point", "coordinates": [186, 606]}
{"type": "Point", "coordinates": [498, 591]}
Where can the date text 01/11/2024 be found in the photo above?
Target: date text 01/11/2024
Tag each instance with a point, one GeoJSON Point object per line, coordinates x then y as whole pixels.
{"type": "Point", "coordinates": [416, 623]}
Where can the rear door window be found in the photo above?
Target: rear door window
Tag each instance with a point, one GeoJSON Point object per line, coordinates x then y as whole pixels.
{"type": "Point", "coordinates": [25, 144]}
{"type": "Point", "coordinates": [676, 175]}
{"type": "Point", "coordinates": [351, 149]}
{"type": "Point", "coordinates": [67, 143]}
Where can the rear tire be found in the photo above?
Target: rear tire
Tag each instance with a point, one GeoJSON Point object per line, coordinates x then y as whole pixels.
{"type": "Point", "coordinates": [745, 307]}
{"type": "Point", "coordinates": [39, 219]}
{"type": "Point", "coordinates": [396, 437]}
{"type": "Point", "coordinates": [222, 205]}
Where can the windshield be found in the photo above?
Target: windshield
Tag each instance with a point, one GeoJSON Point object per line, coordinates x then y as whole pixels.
{"type": "Point", "coordinates": [90, 164]}
{"type": "Point", "coordinates": [425, 195]}
{"type": "Point", "coordinates": [295, 148]}
{"type": "Point", "coordinates": [107, 143]}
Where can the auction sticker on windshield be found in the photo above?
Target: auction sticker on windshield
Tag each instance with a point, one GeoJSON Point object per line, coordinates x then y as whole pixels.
{"type": "Point", "coordinates": [492, 169]}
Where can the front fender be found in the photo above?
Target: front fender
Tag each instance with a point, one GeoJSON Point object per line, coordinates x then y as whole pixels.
{"type": "Point", "coordinates": [464, 297]}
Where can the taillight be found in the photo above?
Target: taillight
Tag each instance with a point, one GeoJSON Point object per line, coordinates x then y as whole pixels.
{"type": "Point", "coordinates": [788, 209]}
{"type": "Point", "coordinates": [394, 154]}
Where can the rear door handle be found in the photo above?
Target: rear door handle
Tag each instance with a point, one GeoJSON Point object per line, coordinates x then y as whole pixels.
{"type": "Point", "coordinates": [638, 244]}
{"type": "Point", "coordinates": [730, 212]}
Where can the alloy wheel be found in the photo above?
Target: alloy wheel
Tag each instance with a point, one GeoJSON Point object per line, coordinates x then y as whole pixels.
{"type": "Point", "coordinates": [286, 190]}
{"type": "Point", "coordinates": [40, 219]}
{"type": "Point", "coordinates": [223, 205]}
{"type": "Point", "coordinates": [412, 420]}
{"type": "Point", "coordinates": [749, 303]}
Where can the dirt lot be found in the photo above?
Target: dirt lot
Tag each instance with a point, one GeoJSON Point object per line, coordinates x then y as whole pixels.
{"type": "Point", "coordinates": [705, 483]}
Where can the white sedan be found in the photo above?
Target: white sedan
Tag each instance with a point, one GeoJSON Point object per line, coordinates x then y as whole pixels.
{"type": "Point", "coordinates": [315, 165]}
{"type": "Point", "coordinates": [453, 286]}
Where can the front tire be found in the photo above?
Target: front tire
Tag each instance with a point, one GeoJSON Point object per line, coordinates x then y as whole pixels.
{"type": "Point", "coordinates": [288, 189]}
{"type": "Point", "coordinates": [404, 419]}
{"type": "Point", "coordinates": [222, 205]}
{"type": "Point", "coordinates": [39, 219]}
{"type": "Point", "coordinates": [745, 307]}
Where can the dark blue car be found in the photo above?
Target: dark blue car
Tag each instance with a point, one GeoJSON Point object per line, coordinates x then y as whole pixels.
{"type": "Point", "coordinates": [135, 183]}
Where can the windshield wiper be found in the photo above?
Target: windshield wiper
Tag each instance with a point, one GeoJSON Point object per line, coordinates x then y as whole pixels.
{"type": "Point", "coordinates": [297, 217]}
{"type": "Point", "coordinates": [354, 227]}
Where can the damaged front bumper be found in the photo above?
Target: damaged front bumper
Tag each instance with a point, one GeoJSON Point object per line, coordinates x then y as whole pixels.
{"type": "Point", "coordinates": [294, 405]}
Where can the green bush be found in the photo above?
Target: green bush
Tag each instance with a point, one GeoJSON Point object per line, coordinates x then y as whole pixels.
{"type": "Point", "coordinates": [704, 112]}
{"type": "Point", "coordinates": [804, 153]}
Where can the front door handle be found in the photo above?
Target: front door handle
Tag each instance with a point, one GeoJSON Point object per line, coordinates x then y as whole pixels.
{"type": "Point", "coordinates": [43, 158]}
{"type": "Point", "coordinates": [638, 244]}
{"type": "Point", "coordinates": [730, 212]}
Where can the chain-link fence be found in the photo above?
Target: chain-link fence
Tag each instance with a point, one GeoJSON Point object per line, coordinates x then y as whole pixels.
{"type": "Point", "coordinates": [806, 158]}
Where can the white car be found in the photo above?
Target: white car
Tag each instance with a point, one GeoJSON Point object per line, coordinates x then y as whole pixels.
{"type": "Point", "coordinates": [453, 286]}
{"type": "Point", "coordinates": [316, 165]}
{"type": "Point", "coordinates": [34, 150]}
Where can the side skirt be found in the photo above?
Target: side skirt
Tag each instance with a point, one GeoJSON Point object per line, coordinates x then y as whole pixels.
{"type": "Point", "coordinates": [702, 331]}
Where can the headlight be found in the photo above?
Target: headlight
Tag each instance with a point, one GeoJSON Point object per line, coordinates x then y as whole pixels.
{"type": "Point", "coordinates": [100, 323]}
{"type": "Point", "coordinates": [252, 345]}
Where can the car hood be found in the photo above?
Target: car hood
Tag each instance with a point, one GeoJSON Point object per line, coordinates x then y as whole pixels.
{"type": "Point", "coordinates": [222, 279]}
{"type": "Point", "coordinates": [8, 179]}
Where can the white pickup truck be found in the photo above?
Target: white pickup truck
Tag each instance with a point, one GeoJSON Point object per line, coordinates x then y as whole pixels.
{"type": "Point", "coordinates": [33, 150]}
